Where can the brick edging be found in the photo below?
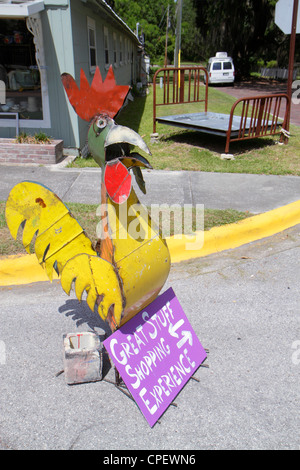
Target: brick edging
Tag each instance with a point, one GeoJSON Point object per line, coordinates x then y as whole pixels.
{"type": "Point", "coordinates": [12, 152]}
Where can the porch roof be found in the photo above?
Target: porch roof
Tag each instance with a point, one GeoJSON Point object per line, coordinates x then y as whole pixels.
{"type": "Point", "coordinates": [20, 9]}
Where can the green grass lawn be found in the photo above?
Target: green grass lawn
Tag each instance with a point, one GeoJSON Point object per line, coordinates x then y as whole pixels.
{"type": "Point", "coordinates": [86, 216]}
{"type": "Point", "coordinates": [179, 149]}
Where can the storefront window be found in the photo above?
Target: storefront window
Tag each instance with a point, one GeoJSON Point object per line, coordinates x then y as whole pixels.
{"type": "Point", "coordinates": [19, 70]}
{"type": "Point", "coordinates": [92, 44]}
{"type": "Point", "coordinates": [106, 48]}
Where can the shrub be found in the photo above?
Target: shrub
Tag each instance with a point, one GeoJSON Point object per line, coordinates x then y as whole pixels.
{"type": "Point", "coordinates": [38, 138]}
{"type": "Point", "coordinates": [271, 64]}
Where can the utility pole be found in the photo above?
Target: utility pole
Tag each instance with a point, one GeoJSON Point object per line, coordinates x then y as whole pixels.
{"type": "Point", "coordinates": [178, 34]}
{"type": "Point", "coordinates": [166, 46]}
{"type": "Point", "coordinates": [286, 18]}
{"type": "Point", "coordinates": [291, 59]}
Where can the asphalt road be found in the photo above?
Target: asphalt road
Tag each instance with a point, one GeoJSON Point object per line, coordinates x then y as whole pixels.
{"type": "Point", "coordinates": [244, 307]}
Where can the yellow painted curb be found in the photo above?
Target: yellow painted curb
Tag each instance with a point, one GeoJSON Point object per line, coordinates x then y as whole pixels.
{"type": "Point", "coordinates": [233, 235]}
{"type": "Point", "coordinates": [24, 269]}
{"type": "Point", "coordinates": [16, 270]}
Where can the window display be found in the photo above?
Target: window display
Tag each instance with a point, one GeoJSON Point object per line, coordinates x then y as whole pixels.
{"type": "Point", "coordinates": [19, 70]}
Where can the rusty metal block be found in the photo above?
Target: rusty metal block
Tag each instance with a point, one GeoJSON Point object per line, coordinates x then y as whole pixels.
{"type": "Point", "coordinates": [82, 357]}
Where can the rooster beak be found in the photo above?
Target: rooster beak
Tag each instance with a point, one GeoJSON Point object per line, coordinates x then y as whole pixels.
{"type": "Point", "coordinates": [119, 160]}
{"type": "Point", "coordinates": [121, 134]}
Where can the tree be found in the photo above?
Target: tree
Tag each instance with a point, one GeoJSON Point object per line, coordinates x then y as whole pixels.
{"type": "Point", "coordinates": [190, 34]}
{"type": "Point", "coordinates": [245, 29]}
{"type": "Point", "coordinates": [151, 17]}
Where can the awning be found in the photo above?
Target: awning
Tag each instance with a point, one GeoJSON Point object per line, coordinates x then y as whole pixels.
{"type": "Point", "coordinates": [20, 9]}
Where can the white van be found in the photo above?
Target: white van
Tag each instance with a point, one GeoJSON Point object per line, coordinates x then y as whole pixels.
{"type": "Point", "coordinates": [220, 69]}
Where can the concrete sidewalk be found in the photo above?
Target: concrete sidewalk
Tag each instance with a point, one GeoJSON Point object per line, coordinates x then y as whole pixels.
{"type": "Point", "coordinates": [255, 193]}
{"type": "Point", "coordinates": [275, 200]}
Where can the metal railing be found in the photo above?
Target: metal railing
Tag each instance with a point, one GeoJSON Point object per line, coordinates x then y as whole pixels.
{"type": "Point", "coordinates": [180, 85]}
{"type": "Point", "coordinates": [259, 117]}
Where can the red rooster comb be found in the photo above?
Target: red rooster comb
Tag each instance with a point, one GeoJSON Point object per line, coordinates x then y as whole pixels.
{"type": "Point", "coordinates": [102, 97]}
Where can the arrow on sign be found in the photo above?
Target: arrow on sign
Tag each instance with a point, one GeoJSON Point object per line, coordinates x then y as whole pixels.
{"type": "Point", "coordinates": [174, 328]}
{"type": "Point", "coordinates": [186, 336]}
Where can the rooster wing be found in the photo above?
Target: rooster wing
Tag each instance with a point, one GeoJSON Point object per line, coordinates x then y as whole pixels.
{"type": "Point", "coordinates": [61, 244]}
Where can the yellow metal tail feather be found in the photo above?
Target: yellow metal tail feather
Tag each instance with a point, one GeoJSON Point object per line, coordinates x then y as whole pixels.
{"type": "Point", "coordinates": [98, 277]}
{"type": "Point", "coordinates": [62, 244]}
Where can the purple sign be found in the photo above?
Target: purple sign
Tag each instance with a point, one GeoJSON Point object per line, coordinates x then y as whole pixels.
{"type": "Point", "coordinates": [156, 353]}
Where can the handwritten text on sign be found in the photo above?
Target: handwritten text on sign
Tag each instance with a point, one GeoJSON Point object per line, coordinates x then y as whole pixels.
{"type": "Point", "coordinates": [156, 352]}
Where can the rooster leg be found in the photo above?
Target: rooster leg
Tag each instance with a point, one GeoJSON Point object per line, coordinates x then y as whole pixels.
{"type": "Point", "coordinates": [110, 315]}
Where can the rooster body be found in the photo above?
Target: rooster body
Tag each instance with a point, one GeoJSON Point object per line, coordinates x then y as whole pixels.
{"type": "Point", "coordinates": [130, 262]}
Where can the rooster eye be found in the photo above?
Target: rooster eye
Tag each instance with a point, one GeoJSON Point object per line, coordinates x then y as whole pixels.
{"type": "Point", "coordinates": [100, 123]}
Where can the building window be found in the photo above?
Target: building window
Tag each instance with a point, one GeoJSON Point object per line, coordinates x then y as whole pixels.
{"type": "Point", "coordinates": [128, 52]}
{"type": "Point", "coordinates": [115, 48]}
{"type": "Point", "coordinates": [121, 50]}
{"type": "Point", "coordinates": [92, 43]}
{"type": "Point", "coordinates": [106, 48]}
{"type": "Point", "coordinates": [24, 73]}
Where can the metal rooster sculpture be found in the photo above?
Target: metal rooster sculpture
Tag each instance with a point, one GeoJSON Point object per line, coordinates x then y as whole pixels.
{"type": "Point", "coordinates": [127, 268]}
